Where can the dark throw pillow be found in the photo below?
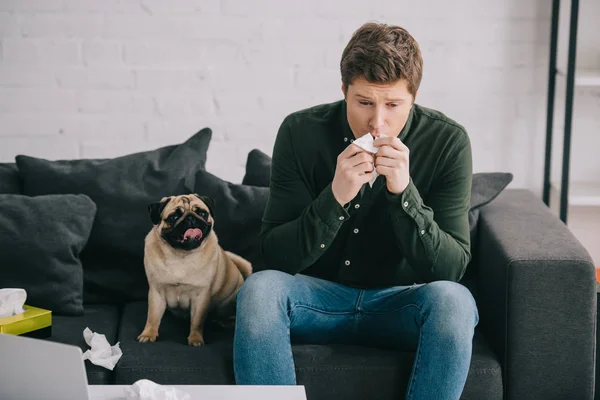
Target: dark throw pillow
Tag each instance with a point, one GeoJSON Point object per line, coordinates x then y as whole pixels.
{"type": "Point", "coordinates": [238, 213]}
{"type": "Point", "coordinates": [122, 188]}
{"type": "Point", "coordinates": [40, 241]}
{"type": "Point", "coordinates": [485, 187]}
{"type": "Point", "coordinates": [258, 169]}
{"type": "Point", "coordinates": [10, 181]}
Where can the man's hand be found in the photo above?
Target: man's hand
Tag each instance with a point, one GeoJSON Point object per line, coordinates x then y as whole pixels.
{"type": "Point", "coordinates": [354, 168]}
{"type": "Point", "coordinates": [392, 161]}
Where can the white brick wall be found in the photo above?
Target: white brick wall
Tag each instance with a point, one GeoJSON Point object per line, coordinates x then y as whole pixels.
{"type": "Point", "coordinates": [88, 78]}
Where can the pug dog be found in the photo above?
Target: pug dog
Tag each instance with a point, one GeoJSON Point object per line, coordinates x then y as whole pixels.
{"type": "Point", "coordinates": [187, 268]}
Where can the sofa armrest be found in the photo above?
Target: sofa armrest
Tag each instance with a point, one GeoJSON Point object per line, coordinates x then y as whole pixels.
{"type": "Point", "coordinates": [536, 299]}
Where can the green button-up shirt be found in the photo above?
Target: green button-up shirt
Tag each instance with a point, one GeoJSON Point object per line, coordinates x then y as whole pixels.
{"type": "Point", "coordinates": [379, 239]}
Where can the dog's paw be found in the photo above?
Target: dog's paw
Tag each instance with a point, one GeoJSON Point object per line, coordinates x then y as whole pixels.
{"type": "Point", "coordinates": [147, 337]}
{"type": "Point", "coordinates": [195, 339]}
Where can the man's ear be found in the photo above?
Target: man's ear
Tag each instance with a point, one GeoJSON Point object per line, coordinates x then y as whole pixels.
{"type": "Point", "coordinates": [209, 201]}
{"type": "Point", "coordinates": [344, 91]}
{"type": "Point", "coordinates": [155, 209]}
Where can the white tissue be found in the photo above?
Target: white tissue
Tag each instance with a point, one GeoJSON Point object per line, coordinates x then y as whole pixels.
{"type": "Point", "coordinates": [145, 389]}
{"type": "Point", "coordinates": [366, 142]}
{"type": "Point", "coordinates": [12, 301]}
{"type": "Point", "coordinates": [101, 352]}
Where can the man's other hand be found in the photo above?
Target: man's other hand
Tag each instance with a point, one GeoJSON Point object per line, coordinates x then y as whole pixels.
{"type": "Point", "coordinates": [354, 168]}
{"type": "Point", "coordinates": [392, 161]}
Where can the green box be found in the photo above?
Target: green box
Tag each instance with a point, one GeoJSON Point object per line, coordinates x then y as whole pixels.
{"type": "Point", "coordinates": [34, 322]}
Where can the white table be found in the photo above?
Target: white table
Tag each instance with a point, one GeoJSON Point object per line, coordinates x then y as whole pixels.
{"type": "Point", "coordinates": [211, 392]}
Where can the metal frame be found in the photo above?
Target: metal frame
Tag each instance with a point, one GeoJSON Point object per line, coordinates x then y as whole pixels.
{"type": "Point", "coordinates": [570, 82]}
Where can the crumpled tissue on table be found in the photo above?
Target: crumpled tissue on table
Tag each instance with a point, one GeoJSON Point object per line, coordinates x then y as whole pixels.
{"type": "Point", "coordinates": [12, 301]}
{"type": "Point", "coordinates": [366, 142]}
{"type": "Point", "coordinates": [101, 352]}
{"type": "Point", "coordinates": [145, 389]}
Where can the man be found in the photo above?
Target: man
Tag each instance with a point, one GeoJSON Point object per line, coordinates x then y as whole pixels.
{"type": "Point", "coordinates": [350, 263]}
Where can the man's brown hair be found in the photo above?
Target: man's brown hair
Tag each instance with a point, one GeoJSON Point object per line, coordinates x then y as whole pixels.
{"type": "Point", "coordinates": [382, 53]}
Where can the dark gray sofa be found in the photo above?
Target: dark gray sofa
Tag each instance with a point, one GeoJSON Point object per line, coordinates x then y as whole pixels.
{"type": "Point", "coordinates": [535, 288]}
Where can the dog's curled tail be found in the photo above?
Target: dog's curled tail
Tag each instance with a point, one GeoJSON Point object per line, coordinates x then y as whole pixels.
{"type": "Point", "coordinates": [241, 263]}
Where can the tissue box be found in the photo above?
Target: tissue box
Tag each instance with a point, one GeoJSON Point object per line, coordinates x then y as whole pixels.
{"type": "Point", "coordinates": [34, 322]}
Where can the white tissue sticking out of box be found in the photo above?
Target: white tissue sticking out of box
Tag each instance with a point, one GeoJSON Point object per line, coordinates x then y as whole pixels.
{"type": "Point", "coordinates": [101, 352]}
{"type": "Point", "coordinates": [366, 143]}
{"type": "Point", "coordinates": [12, 301]}
{"type": "Point", "coordinates": [145, 389]}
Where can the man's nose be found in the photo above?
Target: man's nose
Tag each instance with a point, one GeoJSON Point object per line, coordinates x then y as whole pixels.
{"type": "Point", "coordinates": [377, 126]}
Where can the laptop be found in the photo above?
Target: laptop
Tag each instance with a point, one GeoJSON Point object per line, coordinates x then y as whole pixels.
{"type": "Point", "coordinates": [33, 369]}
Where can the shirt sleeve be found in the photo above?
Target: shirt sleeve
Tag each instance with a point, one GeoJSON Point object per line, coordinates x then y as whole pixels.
{"type": "Point", "coordinates": [298, 226]}
{"type": "Point", "coordinates": [435, 237]}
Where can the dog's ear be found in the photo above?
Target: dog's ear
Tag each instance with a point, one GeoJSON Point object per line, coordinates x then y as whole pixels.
{"type": "Point", "coordinates": [155, 209]}
{"type": "Point", "coordinates": [209, 201]}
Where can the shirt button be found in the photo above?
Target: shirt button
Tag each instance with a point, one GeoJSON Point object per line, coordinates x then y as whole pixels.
{"type": "Point", "coordinates": [351, 140]}
{"type": "Point", "coordinates": [355, 230]}
{"type": "Point", "coordinates": [347, 262]}
{"type": "Point", "coordinates": [322, 245]}
{"type": "Point", "coordinates": [345, 139]}
{"type": "Point", "coordinates": [357, 206]}
{"type": "Point", "coordinates": [342, 218]}
{"type": "Point", "coordinates": [422, 231]}
{"type": "Point", "coordinates": [405, 204]}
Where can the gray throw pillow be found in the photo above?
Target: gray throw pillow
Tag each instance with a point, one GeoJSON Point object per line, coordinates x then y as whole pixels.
{"type": "Point", "coordinates": [40, 242]}
{"type": "Point", "coordinates": [122, 188]}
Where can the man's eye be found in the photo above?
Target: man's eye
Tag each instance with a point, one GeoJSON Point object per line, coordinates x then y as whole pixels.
{"type": "Point", "coordinates": [393, 105]}
{"type": "Point", "coordinates": [365, 103]}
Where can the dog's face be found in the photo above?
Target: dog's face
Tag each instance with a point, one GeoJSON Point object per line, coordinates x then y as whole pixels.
{"type": "Point", "coordinates": [183, 221]}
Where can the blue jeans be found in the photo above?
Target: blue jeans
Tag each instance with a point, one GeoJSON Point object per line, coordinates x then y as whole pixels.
{"type": "Point", "coordinates": [434, 320]}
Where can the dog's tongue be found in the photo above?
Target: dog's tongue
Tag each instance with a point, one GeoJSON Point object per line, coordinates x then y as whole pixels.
{"type": "Point", "coordinates": [193, 234]}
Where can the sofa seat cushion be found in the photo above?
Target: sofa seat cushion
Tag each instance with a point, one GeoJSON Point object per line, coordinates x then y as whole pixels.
{"type": "Point", "coordinates": [356, 372]}
{"type": "Point", "coordinates": [170, 360]}
{"type": "Point", "coordinates": [365, 373]}
{"type": "Point", "coordinates": [99, 318]}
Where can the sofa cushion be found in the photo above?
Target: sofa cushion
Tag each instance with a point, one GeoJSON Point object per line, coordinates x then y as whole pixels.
{"type": "Point", "coordinates": [102, 319]}
{"type": "Point", "coordinates": [10, 181]}
{"type": "Point", "coordinates": [366, 373]}
{"type": "Point", "coordinates": [238, 212]}
{"type": "Point", "coordinates": [485, 187]}
{"type": "Point", "coordinates": [170, 360]}
{"type": "Point", "coordinates": [356, 372]}
{"type": "Point", "coordinates": [258, 169]}
{"type": "Point", "coordinates": [40, 241]}
{"type": "Point", "coordinates": [122, 188]}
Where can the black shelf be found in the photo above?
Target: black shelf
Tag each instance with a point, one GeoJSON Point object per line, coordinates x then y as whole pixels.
{"type": "Point", "coordinates": [570, 82]}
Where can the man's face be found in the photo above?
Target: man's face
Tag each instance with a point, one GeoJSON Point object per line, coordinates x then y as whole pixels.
{"type": "Point", "coordinates": [377, 108]}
